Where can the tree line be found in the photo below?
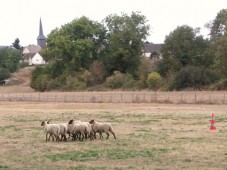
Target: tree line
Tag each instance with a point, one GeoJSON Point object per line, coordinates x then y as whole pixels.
{"type": "Point", "coordinates": [87, 55]}
{"type": "Point", "coordinates": [84, 54]}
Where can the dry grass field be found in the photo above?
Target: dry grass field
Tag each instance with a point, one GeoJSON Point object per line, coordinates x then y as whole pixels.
{"type": "Point", "coordinates": [149, 137]}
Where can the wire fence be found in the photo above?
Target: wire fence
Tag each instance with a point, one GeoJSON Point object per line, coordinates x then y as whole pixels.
{"type": "Point", "coordinates": [187, 97]}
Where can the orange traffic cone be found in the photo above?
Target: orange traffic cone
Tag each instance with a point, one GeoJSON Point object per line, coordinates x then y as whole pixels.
{"type": "Point", "coordinates": [212, 121]}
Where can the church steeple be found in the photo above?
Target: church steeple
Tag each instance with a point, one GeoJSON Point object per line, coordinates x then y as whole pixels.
{"type": "Point", "coordinates": [41, 39]}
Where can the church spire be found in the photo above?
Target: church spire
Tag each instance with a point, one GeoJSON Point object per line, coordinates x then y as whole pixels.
{"type": "Point", "coordinates": [41, 39]}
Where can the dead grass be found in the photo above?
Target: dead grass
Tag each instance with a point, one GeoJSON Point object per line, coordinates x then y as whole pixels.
{"type": "Point", "coordinates": [149, 136]}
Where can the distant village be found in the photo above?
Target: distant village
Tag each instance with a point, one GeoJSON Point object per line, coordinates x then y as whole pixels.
{"type": "Point", "coordinates": [31, 53]}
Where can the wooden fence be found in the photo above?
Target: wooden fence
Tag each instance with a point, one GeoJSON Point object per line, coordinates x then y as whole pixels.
{"type": "Point", "coordinates": [200, 97]}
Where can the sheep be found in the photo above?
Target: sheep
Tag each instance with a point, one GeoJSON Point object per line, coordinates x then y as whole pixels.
{"type": "Point", "coordinates": [51, 129]}
{"type": "Point", "coordinates": [70, 128]}
{"type": "Point", "coordinates": [79, 128]}
{"type": "Point", "coordinates": [91, 136]}
{"type": "Point", "coordinates": [63, 131]}
{"type": "Point", "coordinates": [102, 127]}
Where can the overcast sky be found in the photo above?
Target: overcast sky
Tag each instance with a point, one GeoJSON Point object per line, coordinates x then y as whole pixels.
{"type": "Point", "coordinates": [20, 18]}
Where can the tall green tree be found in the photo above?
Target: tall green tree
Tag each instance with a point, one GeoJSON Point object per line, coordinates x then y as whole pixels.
{"type": "Point", "coordinates": [218, 33]}
{"type": "Point", "coordinates": [184, 47]}
{"type": "Point", "coordinates": [126, 35]}
{"type": "Point", "coordinates": [77, 44]}
{"type": "Point", "coordinates": [16, 44]}
{"type": "Point", "coordinates": [218, 26]}
{"type": "Point", "coordinates": [9, 58]}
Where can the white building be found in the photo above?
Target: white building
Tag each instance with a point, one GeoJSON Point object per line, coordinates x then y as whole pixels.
{"type": "Point", "coordinates": [31, 53]}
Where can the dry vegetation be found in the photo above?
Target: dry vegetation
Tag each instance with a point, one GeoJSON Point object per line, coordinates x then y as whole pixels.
{"type": "Point", "coordinates": [149, 136]}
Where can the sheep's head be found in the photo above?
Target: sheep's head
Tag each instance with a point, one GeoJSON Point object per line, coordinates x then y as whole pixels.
{"type": "Point", "coordinates": [43, 123]}
{"type": "Point", "coordinates": [71, 121]}
{"type": "Point", "coordinates": [92, 121]}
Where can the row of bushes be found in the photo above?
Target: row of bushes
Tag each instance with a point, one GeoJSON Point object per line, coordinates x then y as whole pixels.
{"type": "Point", "coordinates": [188, 77]}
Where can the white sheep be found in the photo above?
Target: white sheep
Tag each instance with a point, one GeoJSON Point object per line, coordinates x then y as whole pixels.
{"type": "Point", "coordinates": [99, 127]}
{"type": "Point", "coordinates": [78, 129]}
{"type": "Point", "coordinates": [51, 129]}
{"type": "Point", "coordinates": [63, 130]}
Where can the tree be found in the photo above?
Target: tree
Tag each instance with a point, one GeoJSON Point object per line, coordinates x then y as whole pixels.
{"type": "Point", "coordinates": [218, 33]}
{"type": "Point", "coordinates": [16, 44]}
{"type": "Point", "coordinates": [125, 42]}
{"type": "Point", "coordinates": [183, 47]}
{"type": "Point", "coordinates": [70, 50]}
{"type": "Point", "coordinates": [218, 26]}
{"type": "Point", "coordinates": [9, 59]}
{"type": "Point", "coordinates": [77, 44]}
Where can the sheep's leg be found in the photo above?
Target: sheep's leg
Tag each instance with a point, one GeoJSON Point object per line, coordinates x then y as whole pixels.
{"type": "Point", "coordinates": [83, 136]}
{"type": "Point", "coordinates": [57, 137]}
{"type": "Point", "coordinates": [107, 135]}
{"type": "Point", "coordinates": [101, 135]}
{"type": "Point", "coordinates": [46, 136]}
{"type": "Point", "coordinates": [113, 134]}
{"type": "Point", "coordinates": [64, 138]}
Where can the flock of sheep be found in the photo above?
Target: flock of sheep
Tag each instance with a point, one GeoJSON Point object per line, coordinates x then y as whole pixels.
{"type": "Point", "coordinates": [77, 130]}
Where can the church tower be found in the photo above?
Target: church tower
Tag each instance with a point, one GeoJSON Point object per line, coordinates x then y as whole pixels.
{"type": "Point", "coordinates": [41, 39]}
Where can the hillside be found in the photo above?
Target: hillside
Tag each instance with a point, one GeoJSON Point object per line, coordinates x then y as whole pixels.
{"type": "Point", "coordinates": [20, 83]}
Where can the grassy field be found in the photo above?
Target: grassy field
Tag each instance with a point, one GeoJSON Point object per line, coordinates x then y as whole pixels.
{"type": "Point", "coordinates": [149, 136]}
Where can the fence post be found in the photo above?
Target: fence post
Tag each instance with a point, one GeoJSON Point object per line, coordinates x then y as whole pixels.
{"type": "Point", "coordinates": [155, 96]}
{"type": "Point", "coordinates": [223, 102]}
{"type": "Point", "coordinates": [195, 97]}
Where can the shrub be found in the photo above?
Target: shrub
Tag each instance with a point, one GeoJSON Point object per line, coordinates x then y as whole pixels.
{"type": "Point", "coordinates": [42, 82]}
{"type": "Point", "coordinates": [98, 72]}
{"type": "Point", "coordinates": [4, 73]}
{"type": "Point", "coordinates": [220, 85]}
{"type": "Point", "coordinates": [118, 80]}
{"type": "Point", "coordinates": [193, 76]}
{"type": "Point", "coordinates": [87, 77]}
{"type": "Point", "coordinates": [154, 80]}
{"type": "Point", "coordinates": [73, 83]}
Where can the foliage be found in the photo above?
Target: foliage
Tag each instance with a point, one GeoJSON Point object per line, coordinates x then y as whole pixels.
{"type": "Point", "coordinates": [218, 26]}
{"type": "Point", "coordinates": [73, 83]}
{"type": "Point", "coordinates": [77, 44]}
{"type": "Point", "coordinates": [221, 56]}
{"type": "Point", "coordinates": [143, 72]}
{"type": "Point", "coordinates": [220, 85]}
{"type": "Point", "coordinates": [218, 33]}
{"type": "Point", "coordinates": [192, 76]}
{"type": "Point", "coordinates": [183, 47]}
{"type": "Point", "coordinates": [35, 80]}
{"type": "Point", "coordinates": [154, 81]}
{"type": "Point", "coordinates": [118, 80]}
{"type": "Point", "coordinates": [85, 53]}
{"type": "Point", "coordinates": [4, 73]}
{"type": "Point", "coordinates": [125, 36]}
{"type": "Point", "coordinates": [98, 72]}
{"type": "Point", "coordinates": [16, 44]}
{"type": "Point", "coordinates": [9, 59]}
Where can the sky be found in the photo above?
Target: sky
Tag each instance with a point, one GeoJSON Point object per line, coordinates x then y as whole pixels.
{"type": "Point", "coordinates": [20, 18]}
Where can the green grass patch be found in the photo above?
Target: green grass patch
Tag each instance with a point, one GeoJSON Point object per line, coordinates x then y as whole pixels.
{"type": "Point", "coordinates": [4, 167]}
{"type": "Point", "coordinates": [91, 155]}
